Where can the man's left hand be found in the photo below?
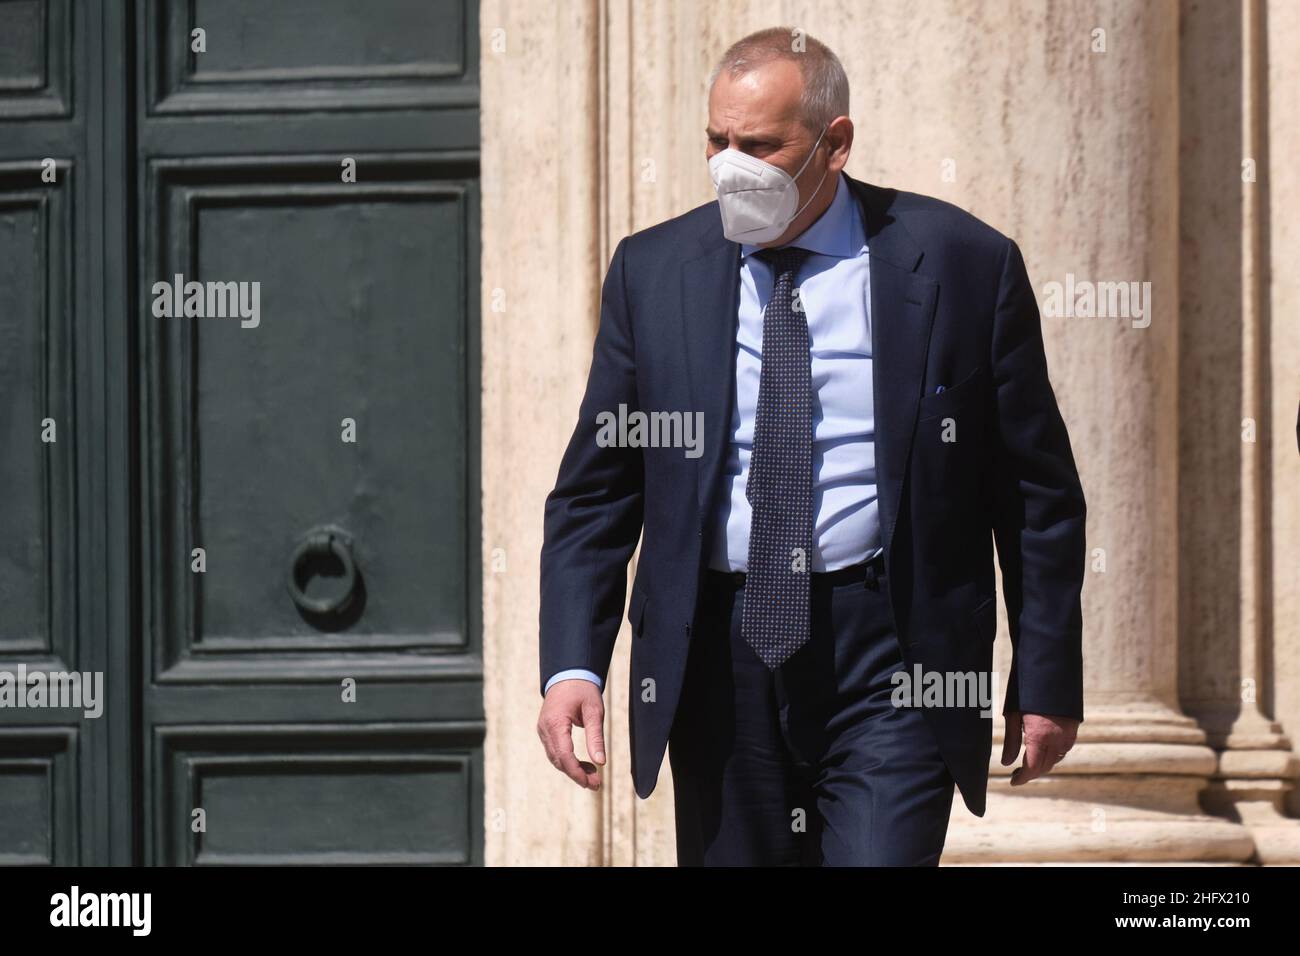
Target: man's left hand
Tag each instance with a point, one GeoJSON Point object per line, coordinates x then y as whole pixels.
{"type": "Point", "coordinates": [1047, 740]}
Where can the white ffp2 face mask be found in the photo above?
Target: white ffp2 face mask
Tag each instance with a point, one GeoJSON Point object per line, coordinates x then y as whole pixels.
{"type": "Point", "coordinates": [758, 200]}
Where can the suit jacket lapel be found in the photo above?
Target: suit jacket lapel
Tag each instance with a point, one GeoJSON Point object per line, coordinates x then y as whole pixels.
{"type": "Point", "coordinates": [902, 313]}
{"type": "Point", "coordinates": [710, 301]}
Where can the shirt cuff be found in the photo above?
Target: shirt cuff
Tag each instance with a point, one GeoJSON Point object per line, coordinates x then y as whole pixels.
{"type": "Point", "coordinates": [576, 672]}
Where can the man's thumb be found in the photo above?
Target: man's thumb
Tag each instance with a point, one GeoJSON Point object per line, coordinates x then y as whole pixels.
{"type": "Point", "coordinates": [1011, 739]}
{"type": "Point", "coordinates": [593, 723]}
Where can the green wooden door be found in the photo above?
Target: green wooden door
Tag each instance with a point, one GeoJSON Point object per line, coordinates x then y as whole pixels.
{"type": "Point", "coordinates": [259, 519]}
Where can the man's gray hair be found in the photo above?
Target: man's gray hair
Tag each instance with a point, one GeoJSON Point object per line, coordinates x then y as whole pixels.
{"type": "Point", "coordinates": [825, 85]}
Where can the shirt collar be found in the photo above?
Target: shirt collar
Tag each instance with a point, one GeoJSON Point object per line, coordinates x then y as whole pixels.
{"type": "Point", "coordinates": [837, 232]}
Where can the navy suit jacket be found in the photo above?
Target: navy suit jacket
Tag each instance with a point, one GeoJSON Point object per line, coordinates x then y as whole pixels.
{"type": "Point", "coordinates": [951, 305]}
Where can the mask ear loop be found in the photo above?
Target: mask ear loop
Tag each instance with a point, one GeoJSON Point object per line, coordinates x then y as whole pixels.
{"type": "Point", "coordinates": [800, 173]}
{"type": "Point", "coordinates": [811, 153]}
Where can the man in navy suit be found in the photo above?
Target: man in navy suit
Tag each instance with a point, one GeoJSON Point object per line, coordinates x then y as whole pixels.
{"type": "Point", "coordinates": [868, 369]}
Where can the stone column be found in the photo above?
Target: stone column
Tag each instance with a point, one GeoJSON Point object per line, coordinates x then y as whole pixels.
{"type": "Point", "coordinates": [1226, 677]}
{"type": "Point", "coordinates": [542, 266]}
{"type": "Point", "coordinates": [1063, 133]}
{"type": "Point", "coordinates": [1281, 230]}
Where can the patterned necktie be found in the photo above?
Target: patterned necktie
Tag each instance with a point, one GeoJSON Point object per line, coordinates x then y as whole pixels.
{"type": "Point", "coordinates": [775, 620]}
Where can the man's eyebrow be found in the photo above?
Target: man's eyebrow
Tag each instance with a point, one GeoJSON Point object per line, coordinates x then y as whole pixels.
{"type": "Point", "coordinates": [758, 136]}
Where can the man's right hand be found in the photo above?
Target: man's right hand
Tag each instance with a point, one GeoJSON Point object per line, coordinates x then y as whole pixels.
{"type": "Point", "coordinates": [570, 702]}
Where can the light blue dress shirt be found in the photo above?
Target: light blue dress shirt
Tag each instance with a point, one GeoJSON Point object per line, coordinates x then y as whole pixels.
{"type": "Point", "coordinates": [835, 289]}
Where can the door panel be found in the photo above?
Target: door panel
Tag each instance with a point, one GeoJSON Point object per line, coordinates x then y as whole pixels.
{"type": "Point", "coordinates": [37, 549]}
{"type": "Point", "coordinates": [36, 57]}
{"type": "Point", "coordinates": [362, 290]}
{"type": "Point", "coordinates": [319, 794]}
{"type": "Point", "coordinates": [295, 55]}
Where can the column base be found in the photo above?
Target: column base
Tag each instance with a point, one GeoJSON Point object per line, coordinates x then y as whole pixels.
{"type": "Point", "coordinates": [1251, 788]}
{"type": "Point", "coordinates": [1127, 793]}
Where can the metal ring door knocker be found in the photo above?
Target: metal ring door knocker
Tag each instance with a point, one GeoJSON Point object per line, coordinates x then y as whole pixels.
{"type": "Point", "coordinates": [322, 544]}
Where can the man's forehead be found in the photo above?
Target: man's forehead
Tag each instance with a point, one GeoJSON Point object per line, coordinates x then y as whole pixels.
{"type": "Point", "coordinates": [766, 97]}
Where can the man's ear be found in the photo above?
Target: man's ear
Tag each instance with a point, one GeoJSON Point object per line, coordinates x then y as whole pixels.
{"type": "Point", "coordinates": [840, 136]}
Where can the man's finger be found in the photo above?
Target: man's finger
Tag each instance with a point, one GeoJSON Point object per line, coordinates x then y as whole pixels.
{"type": "Point", "coordinates": [579, 771]}
{"type": "Point", "coordinates": [1054, 752]}
{"type": "Point", "coordinates": [1011, 739]}
{"type": "Point", "coordinates": [593, 720]}
{"type": "Point", "coordinates": [1037, 761]}
{"type": "Point", "coordinates": [559, 747]}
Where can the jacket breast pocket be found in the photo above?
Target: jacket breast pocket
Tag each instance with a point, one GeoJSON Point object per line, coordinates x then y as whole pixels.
{"type": "Point", "coordinates": [952, 400]}
{"type": "Point", "coordinates": [949, 450]}
{"type": "Point", "coordinates": [636, 608]}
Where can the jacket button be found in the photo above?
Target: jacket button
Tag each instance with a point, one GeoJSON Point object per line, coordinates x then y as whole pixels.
{"type": "Point", "coordinates": [688, 627]}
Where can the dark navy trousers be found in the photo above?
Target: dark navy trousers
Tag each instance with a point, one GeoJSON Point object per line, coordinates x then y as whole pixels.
{"type": "Point", "coordinates": [811, 764]}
